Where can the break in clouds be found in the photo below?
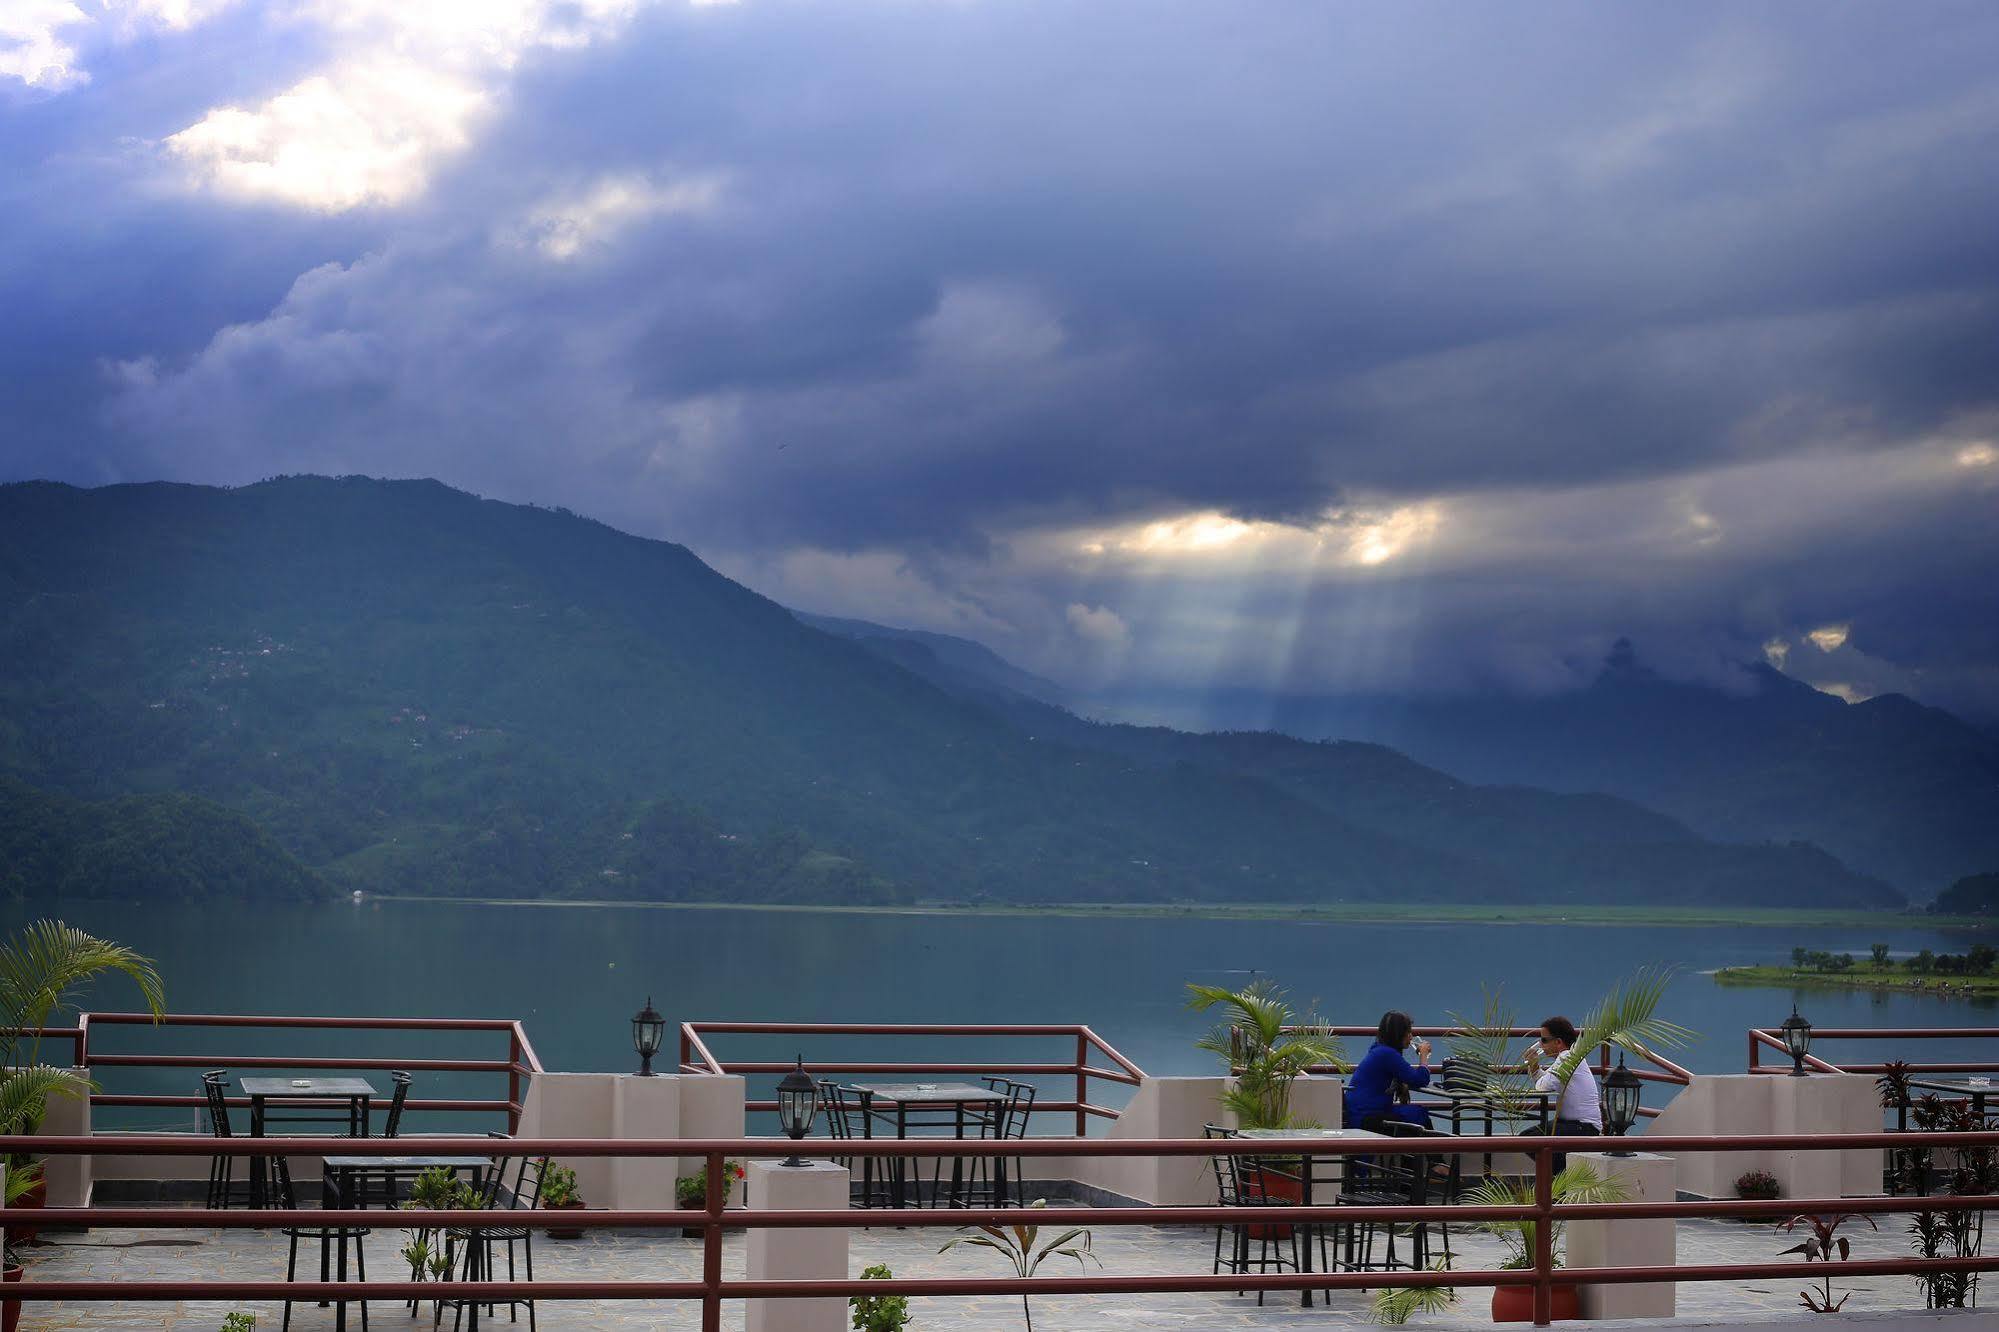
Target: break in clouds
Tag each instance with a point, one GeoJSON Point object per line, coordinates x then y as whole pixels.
{"type": "Point", "coordinates": [1288, 346]}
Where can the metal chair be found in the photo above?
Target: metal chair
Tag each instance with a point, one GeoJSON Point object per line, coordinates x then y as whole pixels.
{"type": "Point", "coordinates": [996, 1179]}
{"type": "Point", "coordinates": [221, 1169]}
{"type": "Point", "coordinates": [850, 1117]}
{"type": "Point", "coordinates": [1247, 1181]}
{"type": "Point", "coordinates": [330, 1238]}
{"type": "Point", "coordinates": [468, 1254]}
{"type": "Point", "coordinates": [1404, 1178]}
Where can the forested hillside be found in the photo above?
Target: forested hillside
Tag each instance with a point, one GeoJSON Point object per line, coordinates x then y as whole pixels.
{"type": "Point", "coordinates": [415, 690]}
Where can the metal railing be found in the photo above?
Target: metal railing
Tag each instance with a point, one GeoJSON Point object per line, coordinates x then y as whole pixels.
{"type": "Point", "coordinates": [519, 1066]}
{"type": "Point", "coordinates": [713, 1289]}
{"type": "Point", "coordinates": [1761, 1039]}
{"type": "Point", "coordinates": [696, 1057]}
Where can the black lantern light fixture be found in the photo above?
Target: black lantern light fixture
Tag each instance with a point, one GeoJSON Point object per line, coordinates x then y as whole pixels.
{"type": "Point", "coordinates": [1797, 1041]}
{"type": "Point", "coordinates": [648, 1030]}
{"type": "Point", "coordinates": [797, 1097]}
{"type": "Point", "coordinates": [1621, 1090]}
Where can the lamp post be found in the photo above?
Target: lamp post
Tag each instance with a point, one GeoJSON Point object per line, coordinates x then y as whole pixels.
{"type": "Point", "coordinates": [797, 1095]}
{"type": "Point", "coordinates": [1797, 1040]}
{"type": "Point", "coordinates": [648, 1029]}
{"type": "Point", "coordinates": [1621, 1091]}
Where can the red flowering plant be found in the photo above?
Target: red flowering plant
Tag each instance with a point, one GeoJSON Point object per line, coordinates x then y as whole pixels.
{"type": "Point", "coordinates": [692, 1190]}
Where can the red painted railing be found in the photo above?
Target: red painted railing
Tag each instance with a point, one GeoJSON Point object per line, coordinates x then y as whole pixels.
{"type": "Point", "coordinates": [519, 1066]}
{"type": "Point", "coordinates": [712, 1289]}
{"type": "Point", "coordinates": [1761, 1039]}
{"type": "Point", "coordinates": [697, 1057]}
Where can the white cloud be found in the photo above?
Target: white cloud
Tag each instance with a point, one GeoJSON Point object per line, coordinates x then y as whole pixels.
{"type": "Point", "coordinates": [563, 227]}
{"type": "Point", "coordinates": [41, 40]}
{"type": "Point", "coordinates": [1829, 637]}
{"type": "Point", "coordinates": [407, 87]}
{"type": "Point", "coordinates": [1098, 625]}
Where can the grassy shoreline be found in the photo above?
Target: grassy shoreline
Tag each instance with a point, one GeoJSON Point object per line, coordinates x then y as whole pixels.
{"type": "Point", "coordinates": [1892, 979]}
{"type": "Point", "coordinates": [1371, 913]}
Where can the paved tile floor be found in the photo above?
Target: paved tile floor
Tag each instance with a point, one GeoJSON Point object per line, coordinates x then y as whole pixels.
{"type": "Point", "coordinates": [208, 1254]}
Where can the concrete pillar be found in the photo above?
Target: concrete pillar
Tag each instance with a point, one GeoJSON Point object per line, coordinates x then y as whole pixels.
{"type": "Point", "coordinates": [816, 1254]}
{"type": "Point", "coordinates": [69, 1177]}
{"type": "Point", "coordinates": [624, 1105]}
{"type": "Point", "coordinates": [1753, 1104]}
{"type": "Point", "coordinates": [1649, 1178]}
{"type": "Point", "coordinates": [1319, 1101]}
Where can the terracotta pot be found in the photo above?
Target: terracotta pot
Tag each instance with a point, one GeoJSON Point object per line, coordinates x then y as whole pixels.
{"type": "Point", "coordinates": [1515, 1304]}
{"type": "Point", "coordinates": [10, 1310]}
{"type": "Point", "coordinates": [1280, 1189]}
{"type": "Point", "coordinates": [575, 1206]}
{"type": "Point", "coordinates": [36, 1196]}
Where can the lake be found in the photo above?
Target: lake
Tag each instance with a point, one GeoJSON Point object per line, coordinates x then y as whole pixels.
{"type": "Point", "coordinates": [575, 974]}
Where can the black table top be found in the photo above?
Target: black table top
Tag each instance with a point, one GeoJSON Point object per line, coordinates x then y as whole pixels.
{"type": "Point", "coordinates": [1962, 1086]}
{"type": "Point", "coordinates": [308, 1088]}
{"type": "Point", "coordinates": [929, 1093]}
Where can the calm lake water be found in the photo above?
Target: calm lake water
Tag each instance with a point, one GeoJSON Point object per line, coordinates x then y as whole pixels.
{"type": "Point", "coordinates": [575, 974]}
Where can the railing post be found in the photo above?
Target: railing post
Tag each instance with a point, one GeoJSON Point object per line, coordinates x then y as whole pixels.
{"type": "Point", "coordinates": [711, 1248]}
{"type": "Point", "coordinates": [513, 1081]}
{"type": "Point", "coordinates": [1544, 1236]}
{"type": "Point", "coordinates": [1752, 1050]}
{"type": "Point", "coordinates": [1082, 1085]}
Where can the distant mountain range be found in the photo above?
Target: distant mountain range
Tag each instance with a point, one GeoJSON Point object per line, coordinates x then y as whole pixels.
{"type": "Point", "coordinates": [411, 689]}
{"type": "Point", "coordinates": [1893, 788]}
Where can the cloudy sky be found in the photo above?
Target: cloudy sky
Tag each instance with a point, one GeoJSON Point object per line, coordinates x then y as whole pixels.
{"type": "Point", "coordinates": [1294, 345]}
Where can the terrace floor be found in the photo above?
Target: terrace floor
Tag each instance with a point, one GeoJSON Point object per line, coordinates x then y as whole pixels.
{"type": "Point", "coordinates": [217, 1255]}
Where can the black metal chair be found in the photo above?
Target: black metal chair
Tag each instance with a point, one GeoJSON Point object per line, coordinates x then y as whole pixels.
{"type": "Point", "coordinates": [850, 1117]}
{"type": "Point", "coordinates": [468, 1254]}
{"type": "Point", "coordinates": [221, 1169]}
{"type": "Point", "coordinates": [1248, 1181]}
{"type": "Point", "coordinates": [1408, 1177]}
{"type": "Point", "coordinates": [331, 1239]}
{"type": "Point", "coordinates": [996, 1180]}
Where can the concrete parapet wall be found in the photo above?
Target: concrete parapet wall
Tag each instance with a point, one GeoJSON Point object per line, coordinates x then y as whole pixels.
{"type": "Point", "coordinates": [1758, 1104]}
{"type": "Point", "coordinates": [624, 1105]}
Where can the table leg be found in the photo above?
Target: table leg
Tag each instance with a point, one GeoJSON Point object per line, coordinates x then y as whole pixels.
{"type": "Point", "coordinates": [1303, 1232]}
{"type": "Point", "coordinates": [958, 1162]}
{"type": "Point", "coordinates": [257, 1185]}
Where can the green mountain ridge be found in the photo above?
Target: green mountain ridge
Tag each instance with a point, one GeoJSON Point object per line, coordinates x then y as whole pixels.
{"type": "Point", "coordinates": [415, 690]}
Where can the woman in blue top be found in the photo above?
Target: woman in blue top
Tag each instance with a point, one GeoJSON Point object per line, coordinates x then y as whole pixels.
{"type": "Point", "coordinates": [1383, 1077]}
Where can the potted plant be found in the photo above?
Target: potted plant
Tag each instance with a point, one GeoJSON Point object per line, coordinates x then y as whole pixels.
{"type": "Point", "coordinates": [879, 1313]}
{"type": "Point", "coordinates": [1023, 1247]}
{"type": "Point", "coordinates": [558, 1194]}
{"type": "Point", "coordinates": [10, 1310]}
{"type": "Point", "coordinates": [1266, 1047]}
{"type": "Point", "coordinates": [42, 968]}
{"type": "Point", "coordinates": [1579, 1183]}
{"type": "Point", "coordinates": [690, 1192]}
{"type": "Point", "coordinates": [1758, 1186]}
{"type": "Point", "coordinates": [239, 1322]}
{"type": "Point", "coordinates": [438, 1189]}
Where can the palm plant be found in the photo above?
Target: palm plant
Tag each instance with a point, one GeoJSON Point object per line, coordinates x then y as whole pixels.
{"type": "Point", "coordinates": [1266, 1045]}
{"type": "Point", "coordinates": [43, 971]}
{"type": "Point", "coordinates": [1579, 1182]}
{"type": "Point", "coordinates": [1626, 1018]}
{"type": "Point", "coordinates": [1023, 1247]}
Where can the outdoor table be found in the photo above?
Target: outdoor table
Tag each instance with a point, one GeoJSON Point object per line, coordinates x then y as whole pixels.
{"type": "Point", "coordinates": [1977, 1089]}
{"type": "Point", "coordinates": [1460, 1103]}
{"type": "Point", "coordinates": [341, 1173]}
{"type": "Point", "coordinates": [356, 1092]}
{"type": "Point", "coordinates": [936, 1105]}
{"type": "Point", "coordinates": [1292, 1138]}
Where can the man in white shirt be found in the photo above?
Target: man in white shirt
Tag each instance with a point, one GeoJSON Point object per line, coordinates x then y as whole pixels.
{"type": "Point", "coordinates": [1579, 1112]}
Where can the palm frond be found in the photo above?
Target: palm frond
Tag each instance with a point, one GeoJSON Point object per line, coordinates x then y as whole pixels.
{"type": "Point", "coordinates": [44, 969]}
{"type": "Point", "coordinates": [24, 1093]}
{"type": "Point", "coordinates": [1626, 1018]}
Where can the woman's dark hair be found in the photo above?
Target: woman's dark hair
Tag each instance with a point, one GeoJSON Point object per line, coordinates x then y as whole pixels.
{"type": "Point", "coordinates": [1394, 1029]}
{"type": "Point", "coordinates": [1561, 1029]}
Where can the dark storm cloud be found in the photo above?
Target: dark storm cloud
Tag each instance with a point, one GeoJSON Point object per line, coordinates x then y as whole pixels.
{"type": "Point", "coordinates": [833, 281]}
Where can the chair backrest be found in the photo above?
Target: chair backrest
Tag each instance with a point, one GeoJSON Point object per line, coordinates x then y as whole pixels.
{"type": "Point", "coordinates": [857, 1112]}
{"type": "Point", "coordinates": [495, 1176]}
{"type": "Point", "coordinates": [1409, 1176]}
{"type": "Point", "coordinates": [526, 1193]}
{"type": "Point", "coordinates": [1228, 1184]}
{"type": "Point", "coordinates": [1461, 1074]}
{"type": "Point", "coordinates": [214, 1086]}
{"type": "Point", "coordinates": [1019, 1108]}
{"type": "Point", "coordinates": [829, 1105]}
{"type": "Point", "coordinates": [393, 1125]}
